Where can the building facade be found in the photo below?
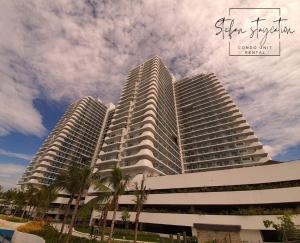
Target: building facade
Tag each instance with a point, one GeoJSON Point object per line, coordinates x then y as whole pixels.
{"type": "Point", "coordinates": [73, 139]}
{"type": "Point", "coordinates": [143, 134]}
{"type": "Point", "coordinates": [182, 135]}
{"type": "Point", "coordinates": [214, 134]}
{"type": "Point", "coordinates": [216, 204]}
{"type": "Point", "coordinates": [162, 126]}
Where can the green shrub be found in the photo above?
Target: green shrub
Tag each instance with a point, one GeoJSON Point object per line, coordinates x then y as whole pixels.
{"type": "Point", "coordinates": [125, 234]}
{"type": "Point", "coordinates": [50, 235]}
{"type": "Point", "coordinates": [13, 219]}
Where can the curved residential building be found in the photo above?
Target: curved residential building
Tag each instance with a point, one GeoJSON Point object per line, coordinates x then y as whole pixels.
{"type": "Point", "coordinates": [214, 134]}
{"type": "Point", "coordinates": [73, 139]}
{"type": "Point", "coordinates": [162, 126]}
{"type": "Point", "coordinates": [182, 135]}
{"type": "Point", "coordinates": [143, 134]}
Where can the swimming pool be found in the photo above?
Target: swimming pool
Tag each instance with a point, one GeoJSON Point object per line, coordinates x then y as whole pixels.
{"type": "Point", "coordinates": [6, 235]}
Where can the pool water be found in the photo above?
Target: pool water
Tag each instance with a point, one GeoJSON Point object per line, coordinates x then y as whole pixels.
{"type": "Point", "coordinates": [6, 234]}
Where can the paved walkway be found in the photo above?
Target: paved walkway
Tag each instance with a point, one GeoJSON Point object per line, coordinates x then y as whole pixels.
{"type": "Point", "coordinates": [9, 225]}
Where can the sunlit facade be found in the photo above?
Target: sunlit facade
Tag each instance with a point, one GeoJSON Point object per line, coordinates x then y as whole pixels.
{"type": "Point", "coordinates": [162, 126]}
{"type": "Point", "coordinates": [143, 135]}
{"type": "Point", "coordinates": [73, 140]}
{"type": "Point", "coordinates": [214, 133]}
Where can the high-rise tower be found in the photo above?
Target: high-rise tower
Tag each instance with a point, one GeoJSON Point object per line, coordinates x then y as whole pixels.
{"type": "Point", "coordinates": [162, 126]}
{"type": "Point", "coordinates": [73, 139]}
{"type": "Point", "coordinates": [214, 134]}
{"type": "Point", "coordinates": [143, 135]}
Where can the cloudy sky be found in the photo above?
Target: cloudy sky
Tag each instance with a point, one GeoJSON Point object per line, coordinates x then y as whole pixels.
{"type": "Point", "coordinates": [54, 52]}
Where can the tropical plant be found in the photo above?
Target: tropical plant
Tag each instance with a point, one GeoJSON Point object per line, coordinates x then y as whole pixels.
{"type": "Point", "coordinates": [34, 203]}
{"type": "Point", "coordinates": [84, 176]}
{"type": "Point", "coordinates": [141, 194]}
{"type": "Point", "coordinates": [101, 202]}
{"type": "Point", "coordinates": [19, 200]}
{"type": "Point", "coordinates": [285, 226]}
{"type": "Point", "coordinates": [31, 226]}
{"type": "Point", "coordinates": [103, 219]}
{"type": "Point", "coordinates": [45, 196]}
{"type": "Point", "coordinates": [9, 199]}
{"type": "Point", "coordinates": [30, 194]}
{"type": "Point", "coordinates": [125, 217]}
{"type": "Point", "coordinates": [117, 183]}
{"type": "Point", "coordinates": [68, 180]}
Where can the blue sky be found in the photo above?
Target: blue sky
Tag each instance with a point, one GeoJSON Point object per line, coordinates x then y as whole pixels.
{"type": "Point", "coordinates": [54, 52]}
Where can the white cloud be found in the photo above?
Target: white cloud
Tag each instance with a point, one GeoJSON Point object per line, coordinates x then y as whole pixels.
{"type": "Point", "coordinates": [15, 155]}
{"type": "Point", "coordinates": [17, 112]}
{"type": "Point", "coordinates": [9, 174]}
{"type": "Point", "coordinates": [68, 49]}
{"type": "Point", "coordinates": [18, 86]}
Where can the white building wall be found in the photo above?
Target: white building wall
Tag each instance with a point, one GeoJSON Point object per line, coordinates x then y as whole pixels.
{"type": "Point", "coordinates": [253, 222]}
{"type": "Point", "coordinates": [281, 195]}
{"type": "Point", "coordinates": [286, 171]}
{"type": "Point", "coordinates": [251, 236]}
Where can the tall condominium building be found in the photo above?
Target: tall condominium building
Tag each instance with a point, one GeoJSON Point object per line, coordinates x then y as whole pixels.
{"type": "Point", "coordinates": [162, 126]}
{"type": "Point", "coordinates": [214, 134]}
{"type": "Point", "coordinates": [189, 131]}
{"type": "Point", "coordinates": [143, 134]}
{"type": "Point", "coordinates": [73, 139]}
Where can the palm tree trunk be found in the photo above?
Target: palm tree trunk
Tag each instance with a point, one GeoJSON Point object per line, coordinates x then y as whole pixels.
{"type": "Point", "coordinates": [24, 210]}
{"type": "Point", "coordinates": [137, 216]}
{"type": "Point", "coordinates": [15, 211]}
{"type": "Point", "coordinates": [66, 213]}
{"type": "Point", "coordinates": [73, 217]}
{"type": "Point", "coordinates": [104, 224]}
{"type": "Point", "coordinates": [28, 213]}
{"type": "Point", "coordinates": [113, 220]}
{"type": "Point", "coordinates": [32, 211]}
{"type": "Point", "coordinates": [43, 214]}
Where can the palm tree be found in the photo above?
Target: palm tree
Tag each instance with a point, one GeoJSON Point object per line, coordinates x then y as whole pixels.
{"type": "Point", "coordinates": [46, 195]}
{"type": "Point", "coordinates": [106, 207]}
{"type": "Point", "coordinates": [68, 180]}
{"type": "Point", "coordinates": [102, 202]}
{"type": "Point", "coordinates": [118, 183]}
{"type": "Point", "coordinates": [10, 199]}
{"type": "Point", "coordinates": [35, 203]}
{"type": "Point", "coordinates": [30, 193]}
{"type": "Point", "coordinates": [19, 200]}
{"type": "Point", "coordinates": [141, 194]}
{"type": "Point", "coordinates": [125, 217]}
{"type": "Point", "coordinates": [84, 176]}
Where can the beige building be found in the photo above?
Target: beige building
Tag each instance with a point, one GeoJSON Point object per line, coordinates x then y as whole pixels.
{"type": "Point", "coordinates": [204, 165]}
{"type": "Point", "coordinates": [162, 126]}
{"type": "Point", "coordinates": [77, 138]}
{"type": "Point", "coordinates": [73, 139]}
{"type": "Point", "coordinates": [214, 134]}
{"type": "Point", "coordinates": [143, 134]}
{"type": "Point", "coordinates": [218, 204]}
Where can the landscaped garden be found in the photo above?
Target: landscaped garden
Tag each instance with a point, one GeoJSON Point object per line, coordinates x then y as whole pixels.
{"type": "Point", "coordinates": [13, 218]}
{"type": "Point", "coordinates": [125, 234]}
{"type": "Point", "coordinates": [50, 234]}
{"type": "Point", "coordinates": [32, 203]}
